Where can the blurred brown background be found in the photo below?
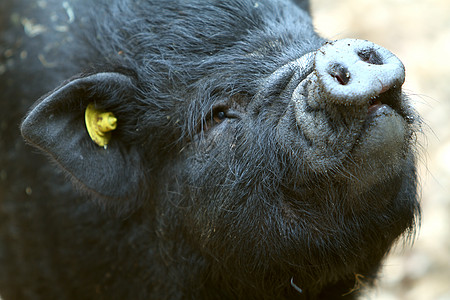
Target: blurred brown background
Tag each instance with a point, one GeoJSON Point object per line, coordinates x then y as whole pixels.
{"type": "Point", "coordinates": [418, 32]}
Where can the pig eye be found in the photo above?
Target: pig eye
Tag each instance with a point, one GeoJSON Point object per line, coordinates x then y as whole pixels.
{"type": "Point", "coordinates": [219, 114]}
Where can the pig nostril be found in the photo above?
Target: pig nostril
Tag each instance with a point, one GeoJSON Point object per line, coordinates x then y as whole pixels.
{"type": "Point", "coordinates": [340, 73]}
{"type": "Point", "coordinates": [370, 56]}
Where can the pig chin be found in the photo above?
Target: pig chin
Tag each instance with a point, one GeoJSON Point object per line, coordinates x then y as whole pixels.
{"type": "Point", "coordinates": [383, 136]}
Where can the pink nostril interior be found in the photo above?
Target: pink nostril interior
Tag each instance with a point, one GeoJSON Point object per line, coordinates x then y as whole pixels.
{"type": "Point", "coordinates": [370, 56]}
{"type": "Point", "coordinates": [340, 73]}
{"type": "Point", "coordinates": [374, 105]}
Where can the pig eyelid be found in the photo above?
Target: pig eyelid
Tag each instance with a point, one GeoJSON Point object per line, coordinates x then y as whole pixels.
{"type": "Point", "coordinates": [217, 115]}
{"type": "Point", "coordinates": [222, 112]}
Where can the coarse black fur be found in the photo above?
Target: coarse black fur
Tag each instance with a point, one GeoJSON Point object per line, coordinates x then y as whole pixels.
{"type": "Point", "coordinates": [207, 200]}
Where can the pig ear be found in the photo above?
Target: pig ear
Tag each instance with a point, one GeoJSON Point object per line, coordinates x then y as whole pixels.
{"type": "Point", "coordinates": [57, 125]}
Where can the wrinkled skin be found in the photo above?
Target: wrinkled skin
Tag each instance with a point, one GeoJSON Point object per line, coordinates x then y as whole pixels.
{"type": "Point", "coordinates": [252, 158]}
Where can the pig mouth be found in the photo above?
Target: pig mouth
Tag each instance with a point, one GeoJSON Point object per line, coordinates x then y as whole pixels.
{"type": "Point", "coordinates": [374, 104]}
{"type": "Point", "coordinates": [386, 129]}
{"type": "Point", "coordinates": [385, 104]}
{"type": "Point", "coordinates": [389, 99]}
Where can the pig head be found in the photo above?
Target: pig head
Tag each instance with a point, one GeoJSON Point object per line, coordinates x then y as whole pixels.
{"type": "Point", "coordinates": [266, 160]}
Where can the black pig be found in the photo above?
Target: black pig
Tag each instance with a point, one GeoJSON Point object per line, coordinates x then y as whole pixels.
{"type": "Point", "coordinates": [251, 159]}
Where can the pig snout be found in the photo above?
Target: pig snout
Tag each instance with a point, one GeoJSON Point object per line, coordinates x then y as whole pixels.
{"type": "Point", "coordinates": [349, 104]}
{"type": "Point", "coordinates": [350, 71]}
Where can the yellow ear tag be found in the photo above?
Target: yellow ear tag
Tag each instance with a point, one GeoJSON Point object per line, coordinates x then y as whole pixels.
{"type": "Point", "coordinates": [99, 125]}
